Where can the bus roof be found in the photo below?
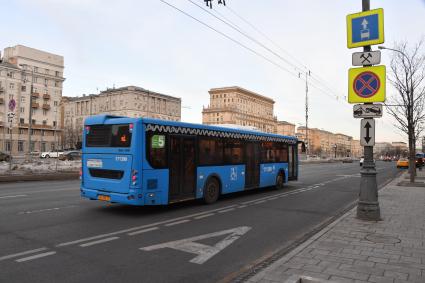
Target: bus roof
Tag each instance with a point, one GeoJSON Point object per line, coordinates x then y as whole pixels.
{"type": "Point", "coordinates": [111, 119]}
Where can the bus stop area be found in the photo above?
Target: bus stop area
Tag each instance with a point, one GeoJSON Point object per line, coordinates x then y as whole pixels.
{"type": "Point", "coordinates": [353, 250]}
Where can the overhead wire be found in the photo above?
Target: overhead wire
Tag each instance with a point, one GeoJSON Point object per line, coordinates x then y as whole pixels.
{"type": "Point", "coordinates": [238, 29]}
{"type": "Point", "coordinates": [230, 38]}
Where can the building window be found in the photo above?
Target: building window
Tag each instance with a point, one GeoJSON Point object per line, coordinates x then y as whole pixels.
{"type": "Point", "coordinates": [23, 88]}
{"type": "Point", "coordinates": [54, 123]}
{"type": "Point", "coordinates": [21, 131]}
{"type": "Point", "coordinates": [22, 109]}
{"type": "Point", "coordinates": [21, 121]}
{"type": "Point", "coordinates": [43, 146]}
{"type": "Point", "coordinates": [8, 146]}
{"type": "Point", "coordinates": [33, 121]}
{"type": "Point", "coordinates": [55, 103]}
{"type": "Point", "coordinates": [11, 85]}
{"type": "Point", "coordinates": [46, 82]}
{"type": "Point", "coordinates": [36, 69]}
{"type": "Point", "coordinates": [57, 74]}
{"type": "Point", "coordinates": [57, 84]}
{"type": "Point", "coordinates": [47, 71]}
{"type": "Point", "coordinates": [44, 112]}
{"type": "Point", "coordinates": [53, 146]}
{"type": "Point", "coordinates": [32, 146]}
{"type": "Point", "coordinates": [20, 146]}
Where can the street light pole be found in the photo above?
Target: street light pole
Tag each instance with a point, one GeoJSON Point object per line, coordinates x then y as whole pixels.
{"type": "Point", "coordinates": [409, 92]}
{"type": "Point", "coordinates": [368, 205]}
{"type": "Point", "coordinates": [29, 157]}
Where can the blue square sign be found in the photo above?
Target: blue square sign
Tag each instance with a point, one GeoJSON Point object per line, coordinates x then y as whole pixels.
{"type": "Point", "coordinates": [366, 28]}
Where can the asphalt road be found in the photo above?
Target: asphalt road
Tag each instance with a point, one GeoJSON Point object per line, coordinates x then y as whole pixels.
{"type": "Point", "coordinates": [49, 234]}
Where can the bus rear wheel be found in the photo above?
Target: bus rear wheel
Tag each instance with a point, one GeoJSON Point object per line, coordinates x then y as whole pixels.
{"type": "Point", "coordinates": [280, 180]}
{"type": "Point", "coordinates": [211, 191]}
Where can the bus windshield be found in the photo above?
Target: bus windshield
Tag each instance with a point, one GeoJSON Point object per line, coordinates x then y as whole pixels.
{"type": "Point", "coordinates": [108, 135]}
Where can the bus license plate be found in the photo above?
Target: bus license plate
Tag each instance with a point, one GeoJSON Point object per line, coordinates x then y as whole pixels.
{"type": "Point", "coordinates": [104, 198]}
{"type": "Point", "coordinates": [94, 163]}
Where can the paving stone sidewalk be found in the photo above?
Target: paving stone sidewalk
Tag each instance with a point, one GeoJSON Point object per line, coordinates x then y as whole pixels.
{"type": "Point", "coordinates": [352, 250]}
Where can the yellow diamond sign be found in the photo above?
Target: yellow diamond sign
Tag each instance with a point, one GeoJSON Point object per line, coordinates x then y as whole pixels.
{"type": "Point", "coordinates": [366, 84]}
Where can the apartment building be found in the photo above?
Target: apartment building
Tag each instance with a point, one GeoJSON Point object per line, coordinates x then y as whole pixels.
{"type": "Point", "coordinates": [329, 145]}
{"type": "Point", "coordinates": [236, 105]}
{"type": "Point", "coordinates": [129, 101]}
{"type": "Point", "coordinates": [22, 67]}
{"type": "Point", "coordinates": [285, 128]}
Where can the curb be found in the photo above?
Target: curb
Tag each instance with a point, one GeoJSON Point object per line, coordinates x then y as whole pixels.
{"type": "Point", "coordinates": [40, 177]}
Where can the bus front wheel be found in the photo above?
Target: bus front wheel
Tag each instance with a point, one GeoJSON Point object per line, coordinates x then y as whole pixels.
{"type": "Point", "coordinates": [211, 191]}
{"type": "Point", "coordinates": [280, 180]}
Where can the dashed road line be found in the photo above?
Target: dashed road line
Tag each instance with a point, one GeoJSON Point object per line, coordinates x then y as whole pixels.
{"type": "Point", "coordinates": [226, 210]}
{"type": "Point", "coordinates": [204, 216]}
{"type": "Point", "coordinates": [139, 227]}
{"type": "Point", "coordinates": [99, 242]}
{"type": "Point", "coordinates": [13, 196]}
{"type": "Point", "coordinates": [45, 210]}
{"type": "Point", "coordinates": [142, 231]}
{"type": "Point", "coordinates": [177, 223]}
{"type": "Point", "coordinates": [35, 256]}
{"type": "Point", "coordinates": [22, 253]}
{"type": "Point", "coordinates": [261, 201]}
{"type": "Point", "coordinates": [242, 206]}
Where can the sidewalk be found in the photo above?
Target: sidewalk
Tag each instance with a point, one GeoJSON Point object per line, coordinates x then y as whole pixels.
{"type": "Point", "coordinates": [352, 250]}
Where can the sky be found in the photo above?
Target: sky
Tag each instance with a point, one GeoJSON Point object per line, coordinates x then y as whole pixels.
{"type": "Point", "coordinates": [149, 44]}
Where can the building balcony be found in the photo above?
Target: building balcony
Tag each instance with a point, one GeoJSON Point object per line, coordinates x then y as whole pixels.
{"type": "Point", "coordinates": [46, 96]}
{"type": "Point", "coordinates": [46, 106]}
{"type": "Point", "coordinates": [35, 105]}
{"type": "Point", "coordinates": [35, 95]}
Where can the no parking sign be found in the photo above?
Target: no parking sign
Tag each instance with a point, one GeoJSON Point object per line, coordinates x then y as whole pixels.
{"type": "Point", "coordinates": [367, 84]}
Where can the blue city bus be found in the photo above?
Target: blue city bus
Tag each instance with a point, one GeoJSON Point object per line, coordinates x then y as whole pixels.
{"type": "Point", "coordinates": [143, 161]}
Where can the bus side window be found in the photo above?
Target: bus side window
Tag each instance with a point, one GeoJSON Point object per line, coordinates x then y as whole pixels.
{"type": "Point", "coordinates": [157, 150]}
{"type": "Point", "coordinates": [210, 151]}
{"type": "Point", "coordinates": [233, 151]}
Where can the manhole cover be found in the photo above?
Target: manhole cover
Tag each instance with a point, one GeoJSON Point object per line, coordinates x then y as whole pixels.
{"type": "Point", "coordinates": [380, 238]}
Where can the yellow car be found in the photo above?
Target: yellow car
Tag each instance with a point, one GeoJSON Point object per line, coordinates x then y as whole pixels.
{"type": "Point", "coordinates": [403, 163]}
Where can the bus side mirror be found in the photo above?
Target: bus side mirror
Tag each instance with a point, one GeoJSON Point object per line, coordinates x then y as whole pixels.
{"type": "Point", "coordinates": [302, 146]}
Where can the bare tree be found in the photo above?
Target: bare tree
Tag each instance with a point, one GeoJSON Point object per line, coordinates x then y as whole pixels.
{"type": "Point", "coordinates": [407, 106]}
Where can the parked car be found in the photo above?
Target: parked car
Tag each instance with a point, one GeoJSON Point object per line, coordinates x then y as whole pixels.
{"type": "Point", "coordinates": [419, 162]}
{"type": "Point", "coordinates": [4, 156]}
{"type": "Point", "coordinates": [51, 154]}
{"type": "Point", "coordinates": [347, 160]}
{"type": "Point", "coordinates": [403, 163]}
{"type": "Point", "coordinates": [70, 155]}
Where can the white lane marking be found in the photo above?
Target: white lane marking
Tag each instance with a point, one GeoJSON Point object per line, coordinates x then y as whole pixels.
{"type": "Point", "coordinates": [98, 242]}
{"type": "Point", "coordinates": [142, 231]}
{"type": "Point", "coordinates": [261, 201]}
{"type": "Point", "coordinates": [22, 253]}
{"type": "Point", "coordinates": [242, 206]}
{"type": "Point", "coordinates": [35, 256]}
{"type": "Point", "coordinates": [203, 252]}
{"type": "Point", "coordinates": [139, 227]}
{"type": "Point", "coordinates": [13, 196]}
{"type": "Point", "coordinates": [177, 223]}
{"type": "Point", "coordinates": [45, 210]}
{"type": "Point", "coordinates": [204, 216]}
{"type": "Point", "coordinates": [226, 210]}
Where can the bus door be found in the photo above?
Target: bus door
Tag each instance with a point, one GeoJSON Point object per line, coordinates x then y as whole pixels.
{"type": "Point", "coordinates": [182, 167]}
{"type": "Point", "coordinates": [292, 162]}
{"type": "Point", "coordinates": [252, 172]}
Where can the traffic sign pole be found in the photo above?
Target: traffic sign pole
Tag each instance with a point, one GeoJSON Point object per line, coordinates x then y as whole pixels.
{"type": "Point", "coordinates": [368, 204]}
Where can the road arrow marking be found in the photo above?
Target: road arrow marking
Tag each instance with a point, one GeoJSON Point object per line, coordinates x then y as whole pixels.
{"type": "Point", "coordinates": [365, 23]}
{"type": "Point", "coordinates": [367, 127]}
{"type": "Point", "coordinates": [203, 252]}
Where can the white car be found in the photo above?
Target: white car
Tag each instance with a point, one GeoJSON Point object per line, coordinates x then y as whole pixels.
{"type": "Point", "coordinates": [51, 154]}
